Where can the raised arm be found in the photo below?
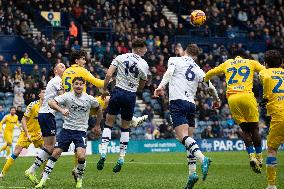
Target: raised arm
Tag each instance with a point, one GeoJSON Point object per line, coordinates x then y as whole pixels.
{"type": "Point", "coordinates": [215, 71]}
{"type": "Point", "coordinates": [166, 78]}
{"type": "Point", "coordinates": [93, 80]}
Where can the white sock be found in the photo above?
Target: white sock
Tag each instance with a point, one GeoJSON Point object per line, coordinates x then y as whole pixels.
{"type": "Point", "coordinates": [191, 163]}
{"type": "Point", "coordinates": [193, 148]}
{"type": "Point", "coordinates": [48, 168]}
{"type": "Point", "coordinates": [106, 137]}
{"type": "Point", "coordinates": [124, 139]}
{"type": "Point", "coordinates": [81, 168]}
{"type": "Point", "coordinates": [40, 159]}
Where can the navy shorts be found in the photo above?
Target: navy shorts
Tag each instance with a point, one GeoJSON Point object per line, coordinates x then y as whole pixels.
{"type": "Point", "coordinates": [182, 112]}
{"type": "Point", "coordinates": [47, 124]}
{"type": "Point", "coordinates": [67, 136]}
{"type": "Point", "coordinates": [122, 101]}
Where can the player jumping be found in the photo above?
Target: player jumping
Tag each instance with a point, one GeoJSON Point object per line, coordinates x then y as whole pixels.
{"type": "Point", "coordinates": [132, 72]}
{"type": "Point", "coordinates": [183, 76]}
{"type": "Point", "coordinates": [273, 93]}
{"type": "Point", "coordinates": [77, 105]}
{"type": "Point", "coordinates": [239, 74]}
{"type": "Point", "coordinates": [47, 123]}
{"type": "Point", "coordinates": [31, 132]}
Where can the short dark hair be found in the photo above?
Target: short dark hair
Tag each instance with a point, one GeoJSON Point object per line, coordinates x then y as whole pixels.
{"type": "Point", "coordinates": [273, 58]}
{"type": "Point", "coordinates": [192, 49]}
{"type": "Point", "coordinates": [242, 53]}
{"type": "Point", "coordinates": [78, 79]}
{"type": "Point", "coordinates": [75, 55]}
{"type": "Point", "coordinates": [13, 107]}
{"type": "Point", "coordinates": [138, 43]}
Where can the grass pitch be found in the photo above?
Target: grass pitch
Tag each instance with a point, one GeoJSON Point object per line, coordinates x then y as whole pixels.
{"type": "Point", "coordinates": [229, 170]}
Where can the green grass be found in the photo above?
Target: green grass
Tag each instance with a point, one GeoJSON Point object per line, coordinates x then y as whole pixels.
{"type": "Point", "coordinates": [230, 170]}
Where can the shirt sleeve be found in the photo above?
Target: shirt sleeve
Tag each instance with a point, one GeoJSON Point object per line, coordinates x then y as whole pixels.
{"type": "Point", "coordinates": [93, 80]}
{"type": "Point", "coordinates": [215, 71]}
{"type": "Point", "coordinates": [58, 85]}
{"type": "Point", "coordinates": [115, 62]}
{"type": "Point", "coordinates": [61, 99]}
{"type": "Point", "coordinates": [94, 102]}
{"type": "Point", "coordinates": [257, 66]}
{"type": "Point", "coordinates": [29, 110]}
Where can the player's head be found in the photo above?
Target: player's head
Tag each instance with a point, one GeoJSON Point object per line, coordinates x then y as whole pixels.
{"type": "Point", "coordinates": [139, 46]}
{"type": "Point", "coordinates": [272, 59]}
{"type": "Point", "coordinates": [13, 110]}
{"type": "Point", "coordinates": [59, 69]}
{"type": "Point", "coordinates": [192, 50]}
{"type": "Point", "coordinates": [78, 57]}
{"type": "Point", "coordinates": [78, 84]}
{"type": "Point", "coordinates": [41, 93]}
{"type": "Point", "coordinates": [242, 53]}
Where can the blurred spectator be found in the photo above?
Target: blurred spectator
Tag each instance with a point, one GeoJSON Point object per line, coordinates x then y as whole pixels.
{"type": "Point", "coordinates": [76, 46]}
{"type": "Point", "coordinates": [207, 133]}
{"type": "Point", "coordinates": [2, 59]}
{"type": "Point", "coordinates": [14, 60]}
{"type": "Point", "coordinates": [18, 94]}
{"type": "Point", "coordinates": [148, 111]}
{"type": "Point", "coordinates": [19, 113]}
{"type": "Point", "coordinates": [73, 30]}
{"type": "Point", "coordinates": [26, 60]}
{"type": "Point", "coordinates": [2, 113]}
{"type": "Point", "coordinates": [5, 70]}
{"type": "Point", "coordinates": [149, 135]}
{"type": "Point", "coordinates": [5, 85]}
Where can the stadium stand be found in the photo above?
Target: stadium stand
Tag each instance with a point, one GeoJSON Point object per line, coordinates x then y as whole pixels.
{"type": "Point", "coordinates": [105, 30]}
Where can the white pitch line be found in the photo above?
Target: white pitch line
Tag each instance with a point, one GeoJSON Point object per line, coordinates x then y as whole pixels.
{"type": "Point", "coordinates": [12, 187]}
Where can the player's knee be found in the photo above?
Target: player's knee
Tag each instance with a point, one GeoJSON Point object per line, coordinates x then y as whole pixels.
{"type": "Point", "coordinates": [81, 156]}
{"type": "Point", "coordinates": [271, 151]}
{"type": "Point", "coordinates": [56, 153]}
{"type": "Point", "coordinates": [9, 144]}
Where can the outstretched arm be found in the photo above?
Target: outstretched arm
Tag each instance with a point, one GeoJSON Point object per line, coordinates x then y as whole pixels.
{"type": "Point", "coordinates": [166, 78]}
{"type": "Point", "coordinates": [54, 105]}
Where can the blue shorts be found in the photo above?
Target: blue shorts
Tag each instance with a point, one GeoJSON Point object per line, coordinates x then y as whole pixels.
{"type": "Point", "coordinates": [67, 136]}
{"type": "Point", "coordinates": [122, 101]}
{"type": "Point", "coordinates": [47, 124]}
{"type": "Point", "coordinates": [182, 112]}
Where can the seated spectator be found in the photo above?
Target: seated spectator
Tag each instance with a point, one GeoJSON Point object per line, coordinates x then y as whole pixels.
{"type": "Point", "coordinates": [19, 112]}
{"type": "Point", "coordinates": [148, 111]}
{"type": "Point", "coordinates": [5, 85]}
{"type": "Point", "coordinates": [5, 70]}
{"type": "Point", "coordinates": [76, 46]}
{"type": "Point", "coordinates": [149, 135]}
{"type": "Point", "coordinates": [26, 60]}
{"type": "Point", "coordinates": [2, 59]}
{"type": "Point", "coordinates": [14, 60]}
{"type": "Point", "coordinates": [2, 113]}
{"type": "Point", "coordinates": [207, 133]}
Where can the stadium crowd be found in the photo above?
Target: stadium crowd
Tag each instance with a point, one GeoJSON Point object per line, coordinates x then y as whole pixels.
{"type": "Point", "coordinates": [132, 19]}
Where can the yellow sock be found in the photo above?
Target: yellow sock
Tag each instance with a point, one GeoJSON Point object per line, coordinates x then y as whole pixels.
{"type": "Point", "coordinates": [43, 166]}
{"type": "Point", "coordinates": [259, 157]}
{"type": "Point", "coordinates": [8, 150]}
{"type": "Point", "coordinates": [75, 160]}
{"type": "Point", "coordinates": [7, 165]}
{"type": "Point", "coordinates": [3, 147]}
{"type": "Point", "coordinates": [271, 175]}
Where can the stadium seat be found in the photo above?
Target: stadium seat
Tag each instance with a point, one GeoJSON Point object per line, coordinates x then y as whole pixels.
{"type": "Point", "coordinates": [2, 95]}
{"type": "Point", "coordinates": [8, 94]}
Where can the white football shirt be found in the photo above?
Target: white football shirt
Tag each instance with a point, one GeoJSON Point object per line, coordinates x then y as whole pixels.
{"type": "Point", "coordinates": [131, 68]}
{"type": "Point", "coordinates": [184, 81]}
{"type": "Point", "coordinates": [52, 88]}
{"type": "Point", "coordinates": [79, 108]}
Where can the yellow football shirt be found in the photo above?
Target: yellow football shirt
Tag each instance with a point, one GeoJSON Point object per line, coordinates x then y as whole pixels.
{"type": "Point", "coordinates": [273, 90]}
{"type": "Point", "coordinates": [11, 122]}
{"type": "Point", "coordinates": [78, 71]}
{"type": "Point", "coordinates": [239, 74]}
{"type": "Point", "coordinates": [31, 114]}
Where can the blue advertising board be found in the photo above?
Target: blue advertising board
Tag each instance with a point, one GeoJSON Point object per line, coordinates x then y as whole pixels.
{"type": "Point", "coordinates": [172, 145]}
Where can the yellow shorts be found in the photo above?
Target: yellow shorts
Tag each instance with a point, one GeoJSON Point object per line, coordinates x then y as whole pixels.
{"type": "Point", "coordinates": [8, 137]}
{"type": "Point", "coordinates": [276, 134]}
{"type": "Point", "coordinates": [102, 103]}
{"type": "Point", "coordinates": [24, 143]}
{"type": "Point", "coordinates": [243, 107]}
